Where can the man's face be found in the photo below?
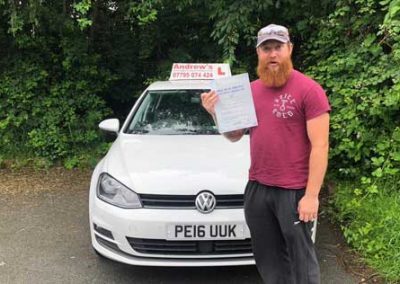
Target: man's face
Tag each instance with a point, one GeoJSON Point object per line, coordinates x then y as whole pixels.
{"type": "Point", "coordinates": [274, 62]}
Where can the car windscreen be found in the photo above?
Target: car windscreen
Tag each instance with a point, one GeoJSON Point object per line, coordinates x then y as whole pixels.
{"type": "Point", "coordinates": [172, 112]}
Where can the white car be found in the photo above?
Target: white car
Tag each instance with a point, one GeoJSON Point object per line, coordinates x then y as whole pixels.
{"type": "Point", "coordinates": [170, 190]}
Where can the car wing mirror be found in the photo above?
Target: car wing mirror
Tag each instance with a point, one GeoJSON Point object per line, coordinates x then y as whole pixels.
{"type": "Point", "coordinates": [110, 125]}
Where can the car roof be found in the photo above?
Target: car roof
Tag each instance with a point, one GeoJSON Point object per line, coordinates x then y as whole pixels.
{"type": "Point", "coordinates": [181, 85]}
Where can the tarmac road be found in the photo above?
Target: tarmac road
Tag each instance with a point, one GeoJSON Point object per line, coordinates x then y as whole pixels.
{"type": "Point", "coordinates": [45, 239]}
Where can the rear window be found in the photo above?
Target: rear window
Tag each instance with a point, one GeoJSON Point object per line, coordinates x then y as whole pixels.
{"type": "Point", "coordinates": [172, 112]}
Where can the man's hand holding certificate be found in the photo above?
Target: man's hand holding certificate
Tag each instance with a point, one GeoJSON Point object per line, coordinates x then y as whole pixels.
{"type": "Point", "coordinates": [235, 108]}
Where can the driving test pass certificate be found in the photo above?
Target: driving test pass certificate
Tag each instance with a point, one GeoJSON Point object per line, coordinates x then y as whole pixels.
{"type": "Point", "coordinates": [235, 108]}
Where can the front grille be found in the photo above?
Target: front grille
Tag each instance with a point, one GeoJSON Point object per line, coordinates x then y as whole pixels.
{"type": "Point", "coordinates": [218, 247]}
{"type": "Point", "coordinates": [187, 201]}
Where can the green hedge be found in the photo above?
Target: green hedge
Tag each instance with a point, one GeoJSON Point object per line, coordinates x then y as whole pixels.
{"type": "Point", "coordinates": [371, 224]}
{"type": "Point", "coordinates": [50, 115]}
{"type": "Point", "coordinates": [355, 55]}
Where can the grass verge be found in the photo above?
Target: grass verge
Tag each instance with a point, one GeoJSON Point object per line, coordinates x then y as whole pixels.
{"type": "Point", "coordinates": [371, 224]}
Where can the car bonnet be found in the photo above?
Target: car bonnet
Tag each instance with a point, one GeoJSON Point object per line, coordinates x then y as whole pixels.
{"type": "Point", "coordinates": [180, 164]}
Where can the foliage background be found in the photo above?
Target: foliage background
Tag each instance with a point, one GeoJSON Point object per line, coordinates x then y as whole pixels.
{"type": "Point", "coordinates": [66, 65]}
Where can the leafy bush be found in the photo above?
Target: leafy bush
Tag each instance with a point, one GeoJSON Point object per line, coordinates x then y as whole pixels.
{"type": "Point", "coordinates": [51, 84]}
{"type": "Point", "coordinates": [50, 118]}
{"type": "Point", "coordinates": [371, 224]}
{"type": "Point", "coordinates": [357, 61]}
{"type": "Point", "coordinates": [355, 55]}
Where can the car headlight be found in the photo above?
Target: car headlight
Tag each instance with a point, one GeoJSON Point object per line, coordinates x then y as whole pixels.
{"type": "Point", "coordinates": [112, 191]}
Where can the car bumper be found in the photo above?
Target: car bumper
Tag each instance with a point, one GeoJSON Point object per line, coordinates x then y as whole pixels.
{"type": "Point", "coordinates": [113, 230]}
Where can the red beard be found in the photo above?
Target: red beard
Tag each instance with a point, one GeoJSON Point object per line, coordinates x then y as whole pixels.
{"type": "Point", "coordinates": [277, 77]}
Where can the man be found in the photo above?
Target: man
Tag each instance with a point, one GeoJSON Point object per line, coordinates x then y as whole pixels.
{"type": "Point", "coordinates": [289, 154]}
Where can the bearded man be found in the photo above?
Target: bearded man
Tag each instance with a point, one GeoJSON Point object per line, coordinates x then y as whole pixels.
{"type": "Point", "coordinates": [289, 157]}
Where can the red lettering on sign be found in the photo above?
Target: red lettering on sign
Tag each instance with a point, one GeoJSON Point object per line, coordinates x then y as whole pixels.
{"type": "Point", "coordinates": [220, 73]}
{"type": "Point", "coordinates": [189, 66]}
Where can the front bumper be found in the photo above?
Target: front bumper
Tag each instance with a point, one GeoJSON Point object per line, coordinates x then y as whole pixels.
{"type": "Point", "coordinates": [113, 229]}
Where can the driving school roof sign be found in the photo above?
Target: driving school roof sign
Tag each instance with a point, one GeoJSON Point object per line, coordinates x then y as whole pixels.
{"type": "Point", "coordinates": [199, 71]}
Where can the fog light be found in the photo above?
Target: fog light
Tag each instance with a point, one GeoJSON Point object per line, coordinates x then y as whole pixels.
{"type": "Point", "coordinates": [103, 231]}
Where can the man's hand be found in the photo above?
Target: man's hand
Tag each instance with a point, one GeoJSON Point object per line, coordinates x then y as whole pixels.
{"type": "Point", "coordinates": [308, 208]}
{"type": "Point", "coordinates": [209, 100]}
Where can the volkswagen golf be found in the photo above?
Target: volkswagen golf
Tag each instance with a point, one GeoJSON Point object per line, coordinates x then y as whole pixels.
{"type": "Point", "coordinates": [169, 192]}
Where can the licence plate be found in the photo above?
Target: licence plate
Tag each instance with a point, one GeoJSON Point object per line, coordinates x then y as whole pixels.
{"type": "Point", "coordinates": [205, 231]}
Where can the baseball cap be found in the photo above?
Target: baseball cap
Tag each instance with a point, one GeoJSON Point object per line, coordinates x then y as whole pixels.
{"type": "Point", "coordinates": [272, 31]}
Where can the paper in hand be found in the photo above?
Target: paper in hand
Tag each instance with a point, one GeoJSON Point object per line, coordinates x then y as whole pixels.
{"type": "Point", "coordinates": [235, 108]}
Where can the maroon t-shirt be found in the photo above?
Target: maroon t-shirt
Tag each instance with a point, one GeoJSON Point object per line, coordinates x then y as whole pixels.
{"type": "Point", "coordinates": [279, 145]}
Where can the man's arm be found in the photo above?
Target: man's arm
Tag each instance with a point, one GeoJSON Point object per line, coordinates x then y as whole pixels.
{"type": "Point", "coordinates": [208, 100]}
{"type": "Point", "coordinates": [318, 133]}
